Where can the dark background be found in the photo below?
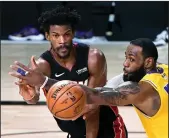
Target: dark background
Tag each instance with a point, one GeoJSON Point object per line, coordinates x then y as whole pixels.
{"type": "Point", "coordinates": [134, 19]}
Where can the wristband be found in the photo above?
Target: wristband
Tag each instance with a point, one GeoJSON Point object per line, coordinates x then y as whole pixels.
{"type": "Point", "coordinates": [43, 85]}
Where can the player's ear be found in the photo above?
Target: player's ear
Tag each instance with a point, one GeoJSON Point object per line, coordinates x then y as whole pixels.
{"type": "Point", "coordinates": [47, 36]}
{"type": "Point", "coordinates": [149, 62]}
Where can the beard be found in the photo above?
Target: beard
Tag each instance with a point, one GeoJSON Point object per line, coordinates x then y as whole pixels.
{"type": "Point", "coordinates": [135, 76]}
{"type": "Point", "coordinates": [61, 54]}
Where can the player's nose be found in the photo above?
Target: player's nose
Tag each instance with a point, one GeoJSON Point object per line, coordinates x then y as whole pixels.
{"type": "Point", "coordinates": [126, 63]}
{"type": "Point", "coordinates": [62, 40]}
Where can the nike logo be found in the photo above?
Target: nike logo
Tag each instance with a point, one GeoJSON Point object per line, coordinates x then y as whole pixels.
{"type": "Point", "coordinates": [58, 75]}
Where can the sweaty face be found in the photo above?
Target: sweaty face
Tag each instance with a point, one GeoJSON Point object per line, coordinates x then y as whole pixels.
{"type": "Point", "coordinates": [133, 64]}
{"type": "Point", "coordinates": [61, 37]}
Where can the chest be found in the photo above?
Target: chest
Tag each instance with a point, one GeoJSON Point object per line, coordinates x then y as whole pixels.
{"type": "Point", "coordinates": [79, 72]}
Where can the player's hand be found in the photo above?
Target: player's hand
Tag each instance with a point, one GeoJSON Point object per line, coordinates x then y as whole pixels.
{"type": "Point", "coordinates": [26, 91]}
{"type": "Point", "coordinates": [89, 110]}
{"type": "Point", "coordinates": [32, 77]}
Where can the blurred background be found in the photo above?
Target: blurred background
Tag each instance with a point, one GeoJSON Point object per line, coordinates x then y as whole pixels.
{"type": "Point", "coordinates": [111, 21]}
{"type": "Point", "coordinates": [106, 25]}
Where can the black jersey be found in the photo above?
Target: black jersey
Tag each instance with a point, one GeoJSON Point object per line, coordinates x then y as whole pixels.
{"type": "Point", "coordinates": [80, 73]}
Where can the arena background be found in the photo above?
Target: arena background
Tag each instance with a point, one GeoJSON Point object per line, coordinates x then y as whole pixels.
{"type": "Point", "coordinates": [142, 19]}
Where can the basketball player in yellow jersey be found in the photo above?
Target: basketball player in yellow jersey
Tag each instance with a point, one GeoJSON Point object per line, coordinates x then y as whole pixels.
{"type": "Point", "coordinates": [144, 84]}
{"type": "Point", "coordinates": [149, 96]}
{"type": "Point", "coordinates": [156, 126]}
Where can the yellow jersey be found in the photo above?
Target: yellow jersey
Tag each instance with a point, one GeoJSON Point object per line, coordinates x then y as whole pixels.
{"type": "Point", "coordinates": [157, 126]}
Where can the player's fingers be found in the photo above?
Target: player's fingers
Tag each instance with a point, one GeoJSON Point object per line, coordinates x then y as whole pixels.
{"type": "Point", "coordinates": [73, 119]}
{"type": "Point", "coordinates": [20, 83]}
{"type": "Point", "coordinates": [17, 75]}
{"type": "Point", "coordinates": [18, 80]}
{"type": "Point", "coordinates": [19, 70]}
{"type": "Point", "coordinates": [77, 117]}
{"type": "Point", "coordinates": [22, 66]}
{"type": "Point", "coordinates": [87, 112]}
{"type": "Point", "coordinates": [14, 67]}
{"type": "Point", "coordinates": [30, 87]}
{"type": "Point", "coordinates": [84, 117]}
{"type": "Point", "coordinates": [17, 83]}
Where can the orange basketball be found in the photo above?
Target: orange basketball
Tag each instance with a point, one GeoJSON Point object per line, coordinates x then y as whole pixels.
{"type": "Point", "coordinates": [66, 100]}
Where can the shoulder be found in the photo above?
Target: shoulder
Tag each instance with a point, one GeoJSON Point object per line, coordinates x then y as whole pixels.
{"type": "Point", "coordinates": [150, 82]}
{"type": "Point", "coordinates": [147, 90]}
{"type": "Point", "coordinates": [95, 55]}
{"type": "Point", "coordinates": [96, 61]}
{"type": "Point", "coordinates": [42, 62]}
{"type": "Point", "coordinates": [162, 65]}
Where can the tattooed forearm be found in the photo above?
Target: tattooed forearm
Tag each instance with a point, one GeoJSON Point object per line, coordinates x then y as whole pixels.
{"type": "Point", "coordinates": [49, 83]}
{"type": "Point", "coordinates": [122, 95]}
{"type": "Point", "coordinates": [113, 96]}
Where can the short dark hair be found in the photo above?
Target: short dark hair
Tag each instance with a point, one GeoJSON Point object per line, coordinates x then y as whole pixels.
{"type": "Point", "coordinates": [148, 47]}
{"type": "Point", "coordinates": [59, 16]}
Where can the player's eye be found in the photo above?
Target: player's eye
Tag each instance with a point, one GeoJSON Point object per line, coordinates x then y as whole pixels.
{"type": "Point", "coordinates": [56, 35]}
{"type": "Point", "coordinates": [131, 59]}
{"type": "Point", "coordinates": [67, 34]}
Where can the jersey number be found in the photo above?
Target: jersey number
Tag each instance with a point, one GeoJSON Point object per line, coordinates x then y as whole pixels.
{"type": "Point", "coordinates": [166, 88]}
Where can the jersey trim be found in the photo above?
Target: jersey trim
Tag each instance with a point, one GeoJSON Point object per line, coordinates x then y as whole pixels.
{"type": "Point", "coordinates": [151, 83]}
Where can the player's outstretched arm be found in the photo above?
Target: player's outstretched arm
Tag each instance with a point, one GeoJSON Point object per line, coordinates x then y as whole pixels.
{"type": "Point", "coordinates": [126, 93]}
{"type": "Point", "coordinates": [27, 88]}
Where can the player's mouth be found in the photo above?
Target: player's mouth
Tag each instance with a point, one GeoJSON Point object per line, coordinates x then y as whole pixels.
{"type": "Point", "coordinates": [63, 49]}
{"type": "Point", "coordinates": [124, 71]}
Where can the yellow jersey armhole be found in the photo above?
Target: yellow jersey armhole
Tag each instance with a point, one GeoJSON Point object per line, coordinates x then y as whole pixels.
{"type": "Point", "coordinates": [155, 87]}
{"type": "Point", "coordinates": [151, 83]}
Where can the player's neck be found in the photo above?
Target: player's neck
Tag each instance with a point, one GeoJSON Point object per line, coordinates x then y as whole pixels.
{"type": "Point", "coordinates": [66, 62]}
{"type": "Point", "coordinates": [69, 59]}
{"type": "Point", "coordinates": [151, 69]}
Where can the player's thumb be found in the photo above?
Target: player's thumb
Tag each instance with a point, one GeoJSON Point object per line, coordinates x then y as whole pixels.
{"type": "Point", "coordinates": [33, 62]}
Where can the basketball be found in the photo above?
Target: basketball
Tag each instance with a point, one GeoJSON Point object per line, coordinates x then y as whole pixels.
{"type": "Point", "coordinates": [66, 100]}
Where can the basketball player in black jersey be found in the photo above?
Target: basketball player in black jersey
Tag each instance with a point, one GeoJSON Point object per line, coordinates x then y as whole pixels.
{"type": "Point", "coordinates": [66, 60]}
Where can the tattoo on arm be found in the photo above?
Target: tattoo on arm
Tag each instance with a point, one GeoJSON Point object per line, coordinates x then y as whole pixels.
{"type": "Point", "coordinates": [156, 104]}
{"type": "Point", "coordinates": [113, 96]}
